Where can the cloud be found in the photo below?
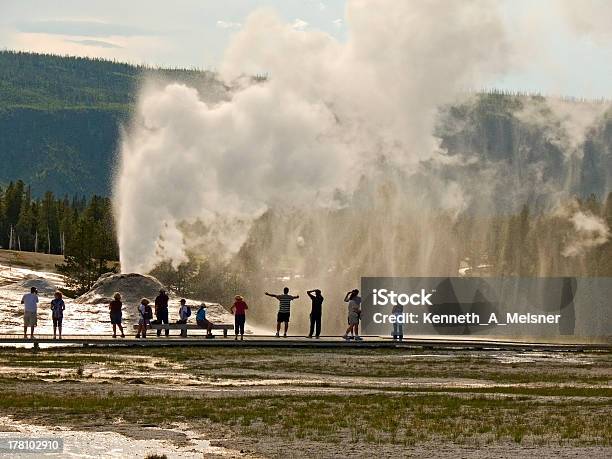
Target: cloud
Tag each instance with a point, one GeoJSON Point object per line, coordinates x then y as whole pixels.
{"type": "Point", "coordinates": [338, 22]}
{"type": "Point", "coordinates": [127, 49]}
{"type": "Point", "coordinates": [299, 24]}
{"type": "Point", "coordinates": [96, 43]}
{"type": "Point", "coordinates": [81, 28]}
{"type": "Point", "coordinates": [229, 25]}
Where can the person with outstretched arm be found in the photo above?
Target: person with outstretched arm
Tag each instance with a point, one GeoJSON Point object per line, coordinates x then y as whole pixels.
{"type": "Point", "coordinates": [315, 312]}
{"type": "Point", "coordinates": [284, 309]}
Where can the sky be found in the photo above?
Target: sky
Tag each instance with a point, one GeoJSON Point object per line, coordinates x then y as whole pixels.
{"type": "Point", "coordinates": [566, 45]}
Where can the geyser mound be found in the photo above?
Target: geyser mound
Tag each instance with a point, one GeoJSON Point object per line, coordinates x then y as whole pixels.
{"type": "Point", "coordinates": [44, 286]}
{"type": "Point", "coordinates": [133, 287]}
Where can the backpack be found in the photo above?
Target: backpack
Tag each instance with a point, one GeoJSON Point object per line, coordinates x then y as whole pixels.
{"type": "Point", "coordinates": [188, 311]}
{"type": "Point", "coordinates": [148, 314]}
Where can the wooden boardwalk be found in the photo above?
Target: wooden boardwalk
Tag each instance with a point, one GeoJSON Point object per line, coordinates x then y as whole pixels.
{"type": "Point", "coordinates": [371, 342]}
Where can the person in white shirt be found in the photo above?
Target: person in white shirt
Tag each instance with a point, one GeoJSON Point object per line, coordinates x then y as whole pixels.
{"type": "Point", "coordinates": [145, 313]}
{"type": "Point", "coordinates": [184, 313]}
{"type": "Point", "coordinates": [30, 307]}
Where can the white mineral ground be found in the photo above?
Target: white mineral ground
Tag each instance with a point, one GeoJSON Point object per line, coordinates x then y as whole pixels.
{"type": "Point", "coordinates": [175, 443]}
{"type": "Point", "coordinates": [87, 315]}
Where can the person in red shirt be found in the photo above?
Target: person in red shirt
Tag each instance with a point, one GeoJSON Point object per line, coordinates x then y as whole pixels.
{"type": "Point", "coordinates": [239, 310]}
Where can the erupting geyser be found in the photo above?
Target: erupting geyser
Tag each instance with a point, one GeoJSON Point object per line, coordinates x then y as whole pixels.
{"type": "Point", "coordinates": [330, 115]}
{"type": "Point", "coordinates": [333, 167]}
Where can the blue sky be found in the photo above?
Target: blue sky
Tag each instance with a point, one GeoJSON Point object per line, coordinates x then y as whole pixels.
{"type": "Point", "coordinates": [194, 33]}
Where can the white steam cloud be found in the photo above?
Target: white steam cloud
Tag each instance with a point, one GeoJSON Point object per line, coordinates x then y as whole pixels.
{"type": "Point", "coordinates": [329, 114]}
{"type": "Point", "coordinates": [590, 231]}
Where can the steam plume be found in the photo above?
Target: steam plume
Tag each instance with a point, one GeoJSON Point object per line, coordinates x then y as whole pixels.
{"type": "Point", "coordinates": [333, 117]}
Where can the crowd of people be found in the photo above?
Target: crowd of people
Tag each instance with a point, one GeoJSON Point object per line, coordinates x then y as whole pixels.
{"type": "Point", "coordinates": [160, 311]}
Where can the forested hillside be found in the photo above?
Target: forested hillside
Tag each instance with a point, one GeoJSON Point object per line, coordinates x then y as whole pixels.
{"type": "Point", "coordinates": [60, 121]}
{"type": "Point", "coordinates": [60, 118]}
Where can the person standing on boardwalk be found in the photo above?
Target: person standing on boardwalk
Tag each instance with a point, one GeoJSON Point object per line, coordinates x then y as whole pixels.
{"type": "Point", "coordinates": [315, 312]}
{"type": "Point", "coordinates": [161, 311]}
{"type": "Point", "coordinates": [239, 310]}
{"type": "Point", "coordinates": [57, 313]}
{"type": "Point", "coordinates": [398, 328]}
{"type": "Point", "coordinates": [184, 314]}
{"type": "Point", "coordinates": [146, 314]}
{"type": "Point", "coordinates": [30, 308]}
{"type": "Point", "coordinates": [115, 308]}
{"type": "Point", "coordinates": [284, 309]}
{"type": "Point", "coordinates": [354, 314]}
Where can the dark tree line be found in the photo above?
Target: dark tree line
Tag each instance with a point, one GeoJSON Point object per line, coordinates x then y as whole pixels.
{"type": "Point", "coordinates": [81, 229]}
{"type": "Point", "coordinates": [535, 244]}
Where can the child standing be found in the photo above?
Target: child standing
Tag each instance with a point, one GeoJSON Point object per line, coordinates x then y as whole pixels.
{"type": "Point", "coordinates": [146, 314]}
{"type": "Point", "coordinates": [398, 328]}
{"type": "Point", "coordinates": [57, 313]}
{"type": "Point", "coordinates": [239, 310]}
{"type": "Point", "coordinates": [184, 313]}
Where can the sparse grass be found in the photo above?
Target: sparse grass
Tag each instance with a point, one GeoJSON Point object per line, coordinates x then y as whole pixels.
{"type": "Point", "coordinates": [260, 363]}
{"type": "Point", "coordinates": [552, 401]}
{"type": "Point", "coordinates": [361, 418]}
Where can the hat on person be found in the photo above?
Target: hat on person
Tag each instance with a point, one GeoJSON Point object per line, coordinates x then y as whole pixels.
{"type": "Point", "coordinates": [238, 298]}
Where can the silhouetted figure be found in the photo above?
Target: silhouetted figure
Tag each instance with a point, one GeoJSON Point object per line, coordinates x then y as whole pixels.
{"type": "Point", "coordinates": [161, 310]}
{"type": "Point", "coordinates": [354, 314]}
{"type": "Point", "coordinates": [315, 312]}
{"type": "Point", "coordinates": [239, 310]}
{"type": "Point", "coordinates": [57, 313]}
{"type": "Point", "coordinates": [398, 328]}
{"type": "Point", "coordinates": [145, 314]}
{"type": "Point", "coordinates": [115, 308]}
{"type": "Point", "coordinates": [284, 309]}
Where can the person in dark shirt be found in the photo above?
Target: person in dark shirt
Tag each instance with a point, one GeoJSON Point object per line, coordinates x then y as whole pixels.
{"type": "Point", "coordinates": [161, 310]}
{"type": "Point", "coordinates": [315, 312]}
{"type": "Point", "coordinates": [115, 307]}
{"type": "Point", "coordinates": [57, 313]}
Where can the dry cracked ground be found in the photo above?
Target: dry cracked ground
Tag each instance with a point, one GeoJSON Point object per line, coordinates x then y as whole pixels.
{"type": "Point", "coordinates": [252, 402]}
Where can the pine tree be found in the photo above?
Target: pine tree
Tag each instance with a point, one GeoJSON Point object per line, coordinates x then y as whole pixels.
{"type": "Point", "coordinates": [91, 248]}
